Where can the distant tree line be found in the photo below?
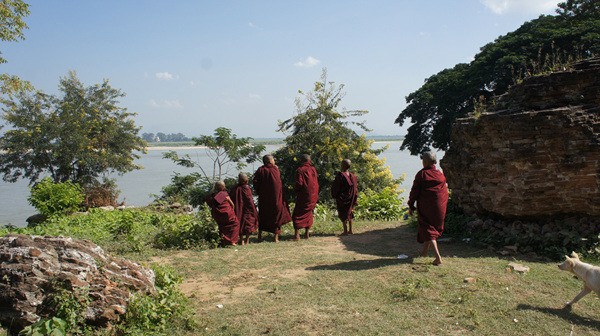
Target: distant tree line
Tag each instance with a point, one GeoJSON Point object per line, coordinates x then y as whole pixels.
{"type": "Point", "coordinates": [162, 137]}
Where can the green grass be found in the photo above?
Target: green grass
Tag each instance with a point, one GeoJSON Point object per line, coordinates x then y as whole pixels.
{"type": "Point", "coordinates": [355, 285]}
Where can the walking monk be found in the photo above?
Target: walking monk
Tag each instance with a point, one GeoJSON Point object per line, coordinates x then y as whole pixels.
{"type": "Point", "coordinates": [272, 210]}
{"type": "Point", "coordinates": [221, 209]}
{"type": "Point", "coordinates": [345, 192]}
{"type": "Point", "coordinates": [243, 202]}
{"type": "Point", "coordinates": [307, 194]}
{"type": "Point", "coordinates": [430, 192]}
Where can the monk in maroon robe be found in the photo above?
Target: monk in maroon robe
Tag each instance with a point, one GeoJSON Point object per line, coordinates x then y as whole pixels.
{"type": "Point", "coordinates": [306, 186]}
{"type": "Point", "coordinates": [430, 192]}
{"type": "Point", "coordinates": [241, 195]}
{"type": "Point", "coordinates": [273, 211]}
{"type": "Point", "coordinates": [221, 209]}
{"type": "Point", "coordinates": [345, 192]}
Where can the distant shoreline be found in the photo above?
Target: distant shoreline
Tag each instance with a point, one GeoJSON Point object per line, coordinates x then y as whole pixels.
{"type": "Point", "coordinates": [190, 145]}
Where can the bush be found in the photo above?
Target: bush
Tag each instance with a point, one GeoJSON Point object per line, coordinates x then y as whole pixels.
{"type": "Point", "coordinates": [101, 194]}
{"type": "Point", "coordinates": [188, 232]}
{"type": "Point", "coordinates": [384, 205]}
{"type": "Point", "coordinates": [52, 199]}
{"type": "Point", "coordinates": [164, 313]}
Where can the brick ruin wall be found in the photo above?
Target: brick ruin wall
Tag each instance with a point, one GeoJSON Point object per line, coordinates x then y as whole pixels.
{"type": "Point", "coordinates": [536, 154]}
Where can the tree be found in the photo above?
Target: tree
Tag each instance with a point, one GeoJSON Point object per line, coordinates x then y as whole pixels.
{"type": "Point", "coordinates": [325, 132]}
{"type": "Point", "coordinates": [12, 26]}
{"type": "Point", "coordinates": [78, 137]}
{"type": "Point", "coordinates": [226, 151]}
{"type": "Point", "coordinates": [548, 43]}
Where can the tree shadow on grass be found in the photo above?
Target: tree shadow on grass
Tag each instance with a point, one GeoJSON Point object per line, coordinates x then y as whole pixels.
{"type": "Point", "coordinates": [565, 314]}
{"type": "Point", "coordinates": [390, 242]}
{"type": "Point", "coordinates": [360, 265]}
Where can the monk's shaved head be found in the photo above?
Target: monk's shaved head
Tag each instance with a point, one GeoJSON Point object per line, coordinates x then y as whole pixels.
{"type": "Point", "coordinates": [242, 178]}
{"type": "Point", "coordinates": [268, 159]}
{"type": "Point", "coordinates": [346, 164]}
{"type": "Point", "coordinates": [219, 186]}
{"type": "Point", "coordinates": [304, 158]}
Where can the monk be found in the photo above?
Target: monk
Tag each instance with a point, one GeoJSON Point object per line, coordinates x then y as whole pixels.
{"type": "Point", "coordinates": [430, 192]}
{"type": "Point", "coordinates": [245, 211]}
{"type": "Point", "coordinates": [345, 192]}
{"type": "Point", "coordinates": [306, 186]}
{"type": "Point", "coordinates": [221, 209]}
{"type": "Point", "coordinates": [272, 209]}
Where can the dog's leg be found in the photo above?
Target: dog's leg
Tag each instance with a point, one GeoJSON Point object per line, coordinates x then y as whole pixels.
{"type": "Point", "coordinates": [585, 291]}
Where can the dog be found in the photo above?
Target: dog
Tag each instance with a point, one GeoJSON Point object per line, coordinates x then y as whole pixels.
{"type": "Point", "coordinates": [590, 275]}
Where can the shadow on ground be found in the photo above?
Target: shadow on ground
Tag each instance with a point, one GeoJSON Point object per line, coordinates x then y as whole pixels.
{"type": "Point", "coordinates": [565, 314]}
{"type": "Point", "coordinates": [389, 243]}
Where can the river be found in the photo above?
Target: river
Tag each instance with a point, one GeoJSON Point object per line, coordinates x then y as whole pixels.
{"type": "Point", "coordinates": [137, 187]}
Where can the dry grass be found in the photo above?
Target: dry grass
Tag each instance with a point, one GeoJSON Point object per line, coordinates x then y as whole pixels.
{"type": "Point", "coordinates": [355, 285]}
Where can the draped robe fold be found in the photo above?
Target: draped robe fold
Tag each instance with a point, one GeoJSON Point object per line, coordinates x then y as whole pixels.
{"type": "Point", "coordinates": [430, 192]}
{"type": "Point", "coordinates": [306, 186]}
{"type": "Point", "coordinates": [273, 211]}
{"type": "Point", "coordinates": [345, 192]}
{"type": "Point", "coordinates": [223, 214]}
{"type": "Point", "coordinates": [244, 207]}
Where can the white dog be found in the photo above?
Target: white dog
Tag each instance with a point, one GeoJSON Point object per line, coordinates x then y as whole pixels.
{"type": "Point", "coordinates": [590, 275]}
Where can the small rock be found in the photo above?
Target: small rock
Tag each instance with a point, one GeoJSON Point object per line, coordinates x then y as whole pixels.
{"type": "Point", "coordinates": [504, 252]}
{"type": "Point", "coordinates": [470, 280]}
{"type": "Point", "coordinates": [511, 248]}
{"type": "Point", "coordinates": [219, 306]}
{"type": "Point", "coordinates": [107, 208]}
{"type": "Point", "coordinates": [518, 268]}
{"type": "Point", "coordinates": [444, 240]}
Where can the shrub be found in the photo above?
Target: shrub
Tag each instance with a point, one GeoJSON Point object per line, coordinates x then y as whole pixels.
{"type": "Point", "coordinates": [101, 194]}
{"type": "Point", "coordinates": [187, 232]}
{"type": "Point", "coordinates": [164, 313]}
{"type": "Point", "coordinates": [52, 199]}
{"type": "Point", "coordinates": [384, 205]}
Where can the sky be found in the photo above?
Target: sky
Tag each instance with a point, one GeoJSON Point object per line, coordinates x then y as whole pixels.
{"type": "Point", "coordinates": [190, 66]}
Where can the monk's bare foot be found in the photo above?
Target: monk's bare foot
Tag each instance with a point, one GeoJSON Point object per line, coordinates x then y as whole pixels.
{"type": "Point", "coordinates": [350, 232]}
{"type": "Point", "coordinates": [277, 238]}
{"type": "Point", "coordinates": [437, 262]}
{"type": "Point", "coordinates": [306, 235]}
{"type": "Point", "coordinates": [296, 237]}
{"type": "Point", "coordinates": [344, 233]}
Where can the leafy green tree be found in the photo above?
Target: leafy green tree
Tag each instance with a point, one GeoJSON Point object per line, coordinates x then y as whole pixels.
{"type": "Point", "coordinates": [323, 130]}
{"type": "Point", "coordinates": [12, 25]}
{"type": "Point", "coordinates": [228, 153]}
{"type": "Point", "coordinates": [548, 43]}
{"type": "Point", "coordinates": [78, 137]}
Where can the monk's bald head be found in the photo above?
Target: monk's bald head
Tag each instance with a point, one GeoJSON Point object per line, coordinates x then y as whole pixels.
{"type": "Point", "coordinates": [304, 158]}
{"type": "Point", "coordinates": [219, 186]}
{"type": "Point", "coordinates": [346, 164]}
{"type": "Point", "coordinates": [268, 159]}
{"type": "Point", "coordinates": [242, 178]}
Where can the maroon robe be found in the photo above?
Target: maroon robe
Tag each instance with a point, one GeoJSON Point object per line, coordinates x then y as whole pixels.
{"type": "Point", "coordinates": [223, 214]}
{"type": "Point", "coordinates": [307, 194]}
{"type": "Point", "coordinates": [345, 192]}
{"type": "Point", "coordinates": [430, 192]}
{"type": "Point", "coordinates": [243, 202]}
{"type": "Point", "coordinates": [272, 209]}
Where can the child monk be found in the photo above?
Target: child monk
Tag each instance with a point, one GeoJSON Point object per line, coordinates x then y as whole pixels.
{"type": "Point", "coordinates": [244, 207]}
{"type": "Point", "coordinates": [221, 209]}
{"type": "Point", "coordinates": [345, 192]}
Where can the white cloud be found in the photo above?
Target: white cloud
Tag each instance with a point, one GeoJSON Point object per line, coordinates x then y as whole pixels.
{"type": "Point", "coordinates": [424, 34]}
{"type": "Point", "coordinates": [309, 62]}
{"type": "Point", "coordinates": [251, 25]}
{"type": "Point", "coordinates": [166, 104]}
{"type": "Point", "coordinates": [511, 6]}
{"type": "Point", "coordinates": [165, 76]}
{"type": "Point", "coordinates": [254, 96]}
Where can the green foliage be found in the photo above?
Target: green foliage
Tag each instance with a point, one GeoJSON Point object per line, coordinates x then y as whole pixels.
{"type": "Point", "coordinates": [384, 205]}
{"type": "Point", "coordinates": [200, 232]}
{"type": "Point", "coordinates": [548, 43]}
{"type": "Point", "coordinates": [226, 150]}
{"type": "Point", "coordinates": [70, 306]}
{"type": "Point", "coordinates": [323, 130]}
{"type": "Point", "coordinates": [12, 25]}
{"type": "Point", "coordinates": [131, 230]}
{"type": "Point", "coordinates": [98, 194]}
{"type": "Point", "coordinates": [165, 313]}
{"type": "Point", "coordinates": [77, 137]}
{"type": "Point", "coordinates": [52, 199]}
{"type": "Point", "coordinates": [46, 327]}
{"type": "Point", "coordinates": [325, 212]}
